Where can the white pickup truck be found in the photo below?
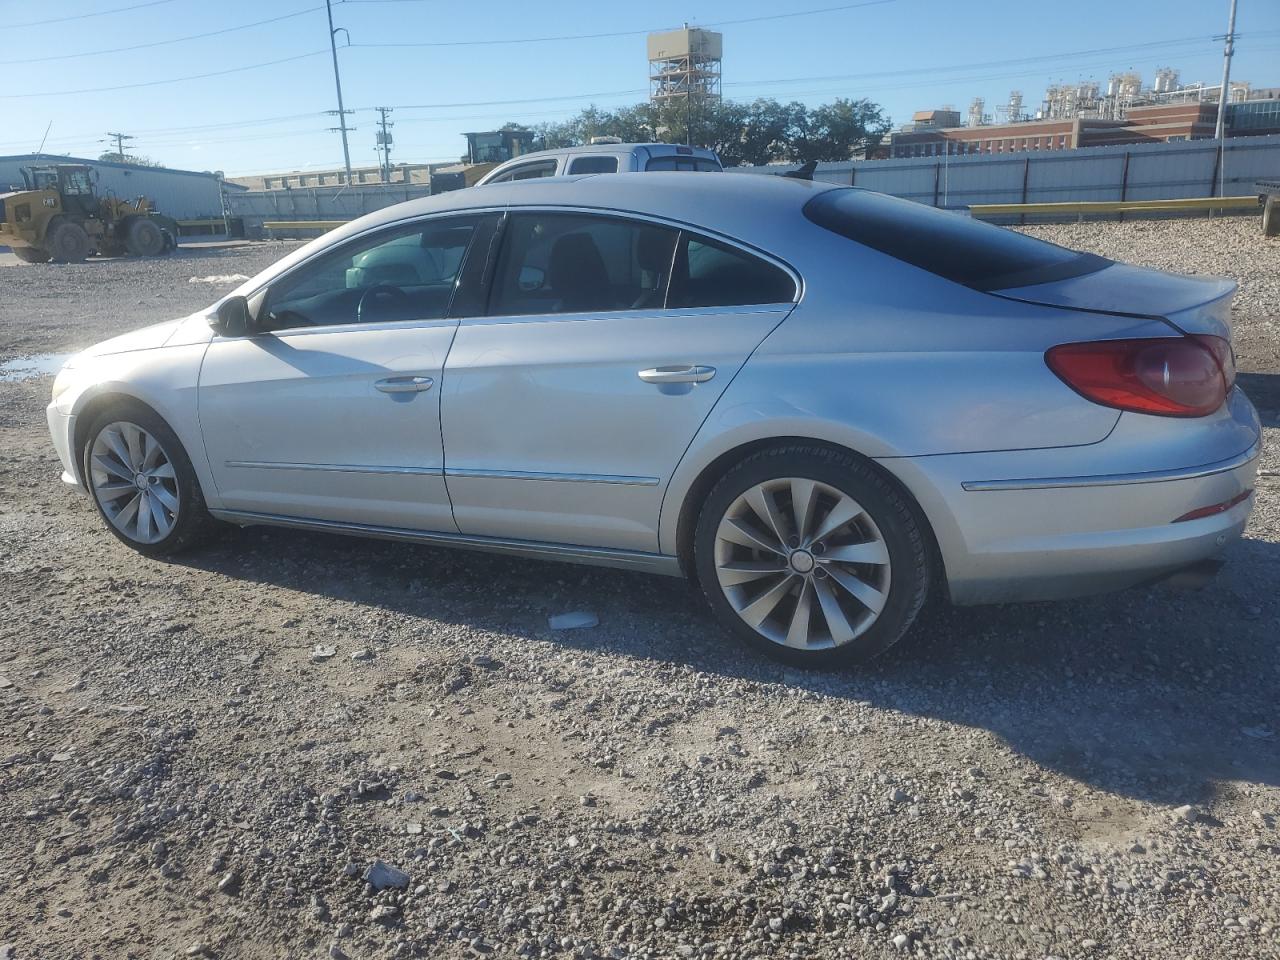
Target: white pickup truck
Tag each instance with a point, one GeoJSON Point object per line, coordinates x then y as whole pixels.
{"type": "Point", "coordinates": [604, 157]}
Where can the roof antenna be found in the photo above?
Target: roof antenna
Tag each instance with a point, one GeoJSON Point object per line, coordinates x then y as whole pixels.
{"type": "Point", "coordinates": [40, 149]}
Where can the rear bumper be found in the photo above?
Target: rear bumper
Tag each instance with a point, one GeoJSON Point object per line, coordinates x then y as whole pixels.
{"type": "Point", "coordinates": [1069, 534]}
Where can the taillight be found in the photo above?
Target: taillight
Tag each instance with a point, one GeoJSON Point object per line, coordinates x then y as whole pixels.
{"type": "Point", "coordinates": [1166, 376]}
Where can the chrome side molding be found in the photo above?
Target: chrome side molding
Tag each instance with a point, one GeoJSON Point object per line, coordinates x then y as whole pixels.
{"type": "Point", "coordinates": [1120, 479]}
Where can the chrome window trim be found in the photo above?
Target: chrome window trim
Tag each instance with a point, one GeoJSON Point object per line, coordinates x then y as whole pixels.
{"type": "Point", "coordinates": [689, 228]}
{"type": "Point", "coordinates": [1120, 479]}
{"type": "Point", "coordinates": [543, 207]}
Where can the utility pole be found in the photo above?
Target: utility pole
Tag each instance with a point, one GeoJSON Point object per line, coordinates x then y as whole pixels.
{"type": "Point", "coordinates": [1228, 49]}
{"type": "Point", "coordinates": [119, 138]}
{"type": "Point", "coordinates": [384, 143]}
{"type": "Point", "coordinates": [337, 82]}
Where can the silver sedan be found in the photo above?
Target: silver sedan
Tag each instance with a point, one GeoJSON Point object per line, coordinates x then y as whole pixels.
{"type": "Point", "coordinates": [821, 404]}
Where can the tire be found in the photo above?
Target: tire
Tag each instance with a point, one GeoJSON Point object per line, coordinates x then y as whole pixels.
{"type": "Point", "coordinates": [116, 445]}
{"type": "Point", "coordinates": [30, 254]}
{"type": "Point", "coordinates": [797, 546]}
{"type": "Point", "coordinates": [68, 243]}
{"type": "Point", "coordinates": [144, 238]}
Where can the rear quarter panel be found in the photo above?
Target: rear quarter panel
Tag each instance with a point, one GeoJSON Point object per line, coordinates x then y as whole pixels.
{"type": "Point", "coordinates": [890, 361]}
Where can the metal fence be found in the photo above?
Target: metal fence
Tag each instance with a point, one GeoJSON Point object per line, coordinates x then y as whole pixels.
{"type": "Point", "coordinates": [318, 203]}
{"type": "Point", "coordinates": [1156, 171]}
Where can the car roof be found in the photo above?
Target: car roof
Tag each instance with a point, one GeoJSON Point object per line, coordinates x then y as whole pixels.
{"type": "Point", "coordinates": [728, 204]}
{"type": "Point", "coordinates": [624, 148]}
{"type": "Point", "coordinates": [753, 208]}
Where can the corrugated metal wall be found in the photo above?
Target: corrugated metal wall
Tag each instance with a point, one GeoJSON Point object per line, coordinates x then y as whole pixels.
{"type": "Point", "coordinates": [1156, 171]}
{"type": "Point", "coordinates": [181, 194]}
{"type": "Point", "coordinates": [321, 203]}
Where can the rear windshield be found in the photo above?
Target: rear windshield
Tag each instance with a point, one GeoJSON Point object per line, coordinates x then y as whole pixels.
{"type": "Point", "coordinates": [682, 162]}
{"type": "Point", "coordinates": [970, 252]}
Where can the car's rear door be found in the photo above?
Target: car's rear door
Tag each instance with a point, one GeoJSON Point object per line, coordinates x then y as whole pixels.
{"type": "Point", "coordinates": [334, 414]}
{"type": "Point", "coordinates": [567, 408]}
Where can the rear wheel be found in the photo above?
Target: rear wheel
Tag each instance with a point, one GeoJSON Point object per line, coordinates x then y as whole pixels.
{"type": "Point", "coordinates": [68, 243]}
{"type": "Point", "coordinates": [811, 556]}
{"type": "Point", "coordinates": [142, 482]}
{"type": "Point", "coordinates": [31, 254]}
{"type": "Point", "coordinates": [144, 238]}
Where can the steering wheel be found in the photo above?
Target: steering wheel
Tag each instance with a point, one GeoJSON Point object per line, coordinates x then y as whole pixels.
{"type": "Point", "coordinates": [390, 295]}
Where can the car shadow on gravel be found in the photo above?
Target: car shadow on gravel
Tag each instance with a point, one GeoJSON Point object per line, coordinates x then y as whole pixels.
{"type": "Point", "coordinates": [1264, 390]}
{"type": "Point", "coordinates": [1152, 693]}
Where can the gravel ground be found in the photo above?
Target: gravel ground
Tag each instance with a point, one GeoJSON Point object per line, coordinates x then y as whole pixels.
{"type": "Point", "coordinates": [292, 745]}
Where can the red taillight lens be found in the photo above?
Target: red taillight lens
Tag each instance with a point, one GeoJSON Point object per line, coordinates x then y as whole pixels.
{"type": "Point", "coordinates": [1165, 376]}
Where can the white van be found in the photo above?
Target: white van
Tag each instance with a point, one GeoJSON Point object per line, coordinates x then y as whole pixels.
{"type": "Point", "coordinates": [603, 156]}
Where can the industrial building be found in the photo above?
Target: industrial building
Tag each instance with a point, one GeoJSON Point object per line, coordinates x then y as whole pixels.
{"type": "Point", "coordinates": [684, 65]}
{"type": "Point", "coordinates": [1061, 125]}
{"type": "Point", "coordinates": [181, 194]}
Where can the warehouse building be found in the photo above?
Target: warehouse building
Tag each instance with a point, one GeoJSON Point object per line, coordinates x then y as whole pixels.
{"type": "Point", "coordinates": [182, 194]}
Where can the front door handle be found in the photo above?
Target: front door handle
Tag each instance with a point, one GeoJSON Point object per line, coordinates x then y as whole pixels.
{"type": "Point", "coordinates": [687, 373]}
{"type": "Point", "coordinates": [404, 384]}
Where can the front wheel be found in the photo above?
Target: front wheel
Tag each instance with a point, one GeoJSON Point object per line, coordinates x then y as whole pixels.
{"type": "Point", "coordinates": [142, 482]}
{"type": "Point", "coordinates": [811, 556]}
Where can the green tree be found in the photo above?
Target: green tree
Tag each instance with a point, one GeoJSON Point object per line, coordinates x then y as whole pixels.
{"type": "Point", "coordinates": [762, 131]}
{"type": "Point", "coordinates": [840, 130]}
{"type": "Point", "coordinates": [113, 157]}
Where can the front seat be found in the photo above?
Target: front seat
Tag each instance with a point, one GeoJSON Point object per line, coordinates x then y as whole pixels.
{"type": "Point", "coordinates": [578, 275]}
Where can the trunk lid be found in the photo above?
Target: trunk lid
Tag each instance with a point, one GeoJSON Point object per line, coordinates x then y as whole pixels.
{"type": "Point", "coordinates": [1196, 305]}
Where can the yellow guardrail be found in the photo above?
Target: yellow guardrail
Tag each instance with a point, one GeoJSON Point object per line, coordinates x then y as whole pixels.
{"type": "Point", "coordinates": [1112, 206]}
{"type": "Point", "coordinates": [302, 224]}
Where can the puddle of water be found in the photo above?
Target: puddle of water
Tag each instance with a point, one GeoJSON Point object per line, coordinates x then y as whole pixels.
{"type": "Point", "coordinates": [31, 368]}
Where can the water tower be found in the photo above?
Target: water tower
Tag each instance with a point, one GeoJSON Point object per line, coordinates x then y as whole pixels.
{"type": "Point", "coordinates": [684, 64]}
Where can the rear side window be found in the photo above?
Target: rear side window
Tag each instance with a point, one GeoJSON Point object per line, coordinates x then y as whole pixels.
{"type": "Point", "coordinates": [576, 263]}
{"type": "Point", "coordinates": [528, 171]}
{"type": "Point", "coordinates": [594, 165]}
{"type": "Point", "coordinates": [969, 252]}
{"type": "Point", "coordinates": [674, 162]}
{"type": "Point", "coordinates": [711, 274]}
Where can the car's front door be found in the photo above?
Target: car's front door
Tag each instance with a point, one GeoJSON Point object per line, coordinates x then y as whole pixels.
{"type": "Point", "coordinates": [333, 413]}
{"type": "Point", "coordinates": [607, 343]}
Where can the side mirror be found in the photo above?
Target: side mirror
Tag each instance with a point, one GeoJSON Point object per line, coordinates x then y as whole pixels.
{"type": "Point", "coordinates": [233, 318]}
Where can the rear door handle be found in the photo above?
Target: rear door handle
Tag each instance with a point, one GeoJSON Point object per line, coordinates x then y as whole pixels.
{"type": "Point", "coordinates": [404, 384]}
{"type": "Point", "coordinates": [688, 373]}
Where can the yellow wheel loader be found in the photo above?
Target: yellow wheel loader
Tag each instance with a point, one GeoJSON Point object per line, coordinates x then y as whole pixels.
{"type": "Point", "coordinates": [60, 217]}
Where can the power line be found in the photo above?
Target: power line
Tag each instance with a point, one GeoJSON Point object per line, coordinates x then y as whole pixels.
{"type": "Point", "coordinates": [163, 43]}
{"type": "Point", "coordinates": [85, 16]}
{"type": "Point", "coordinates": [606, 36]}
{"type": "Point", "coordinates": [159, 83]}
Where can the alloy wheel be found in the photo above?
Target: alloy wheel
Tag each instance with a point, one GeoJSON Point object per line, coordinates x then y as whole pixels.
{"type": "Point", "coordinates": [802, 563]}
{"type": "Point", "coordinates": [134, 482]}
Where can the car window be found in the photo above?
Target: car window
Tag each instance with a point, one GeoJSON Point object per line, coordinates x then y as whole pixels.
{"type": "Point", "coordinates": [405, 273]}
{"type": "Point", "coordinates": [707, 273]}
{"type": "Point", "coordinates": [594, 165]}
{"type": "Point", "coordinates": [677, 162]}
{"type": "Point", "coordinates": [570, 263]}
{"type": "Point", "coordinates": [528, 171]}
{"type": "Point", "coordinates": [970, 252]}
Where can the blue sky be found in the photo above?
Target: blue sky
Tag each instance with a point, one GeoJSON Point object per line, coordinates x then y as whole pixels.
{"type": "Point", "coordinates": [904, 54]}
